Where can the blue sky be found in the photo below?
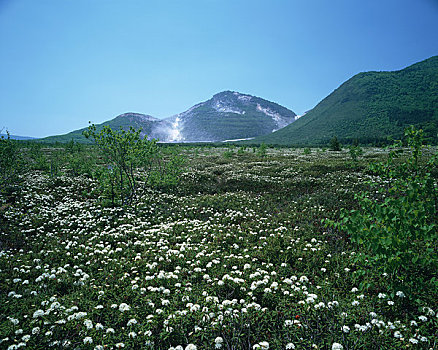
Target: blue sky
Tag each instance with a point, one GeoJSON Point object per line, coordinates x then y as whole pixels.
{"type": "Point", "coordinates": [66, 62]}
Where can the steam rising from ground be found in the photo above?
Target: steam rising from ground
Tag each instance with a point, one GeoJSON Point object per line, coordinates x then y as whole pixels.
{"type": "Point", "coordinates": [175, 131]}
{"type": "Point", "coordinates": [168, 131]}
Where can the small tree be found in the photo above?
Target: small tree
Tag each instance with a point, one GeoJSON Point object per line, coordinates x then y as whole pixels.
{"type": "Point", "coordinates": [10, 164]}
{"type": "Point", "coordinates": [124, 152]}
{"type": "Point", "coordinates": [334, 144]}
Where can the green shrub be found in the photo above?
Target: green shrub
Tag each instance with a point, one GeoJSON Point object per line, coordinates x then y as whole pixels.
{"type": "Point", "coordinates": [262, 150]}
{"type": "Point", "coordinates": [395, 226]}
{"type": "Point", "coordinates": [10, 164]}
{"type": "Point", "coordinates": [128, 157]}
{"type": "Point", "coordinates": [355, 152]}
{"type": "Point", "coordinates": [334, 144]}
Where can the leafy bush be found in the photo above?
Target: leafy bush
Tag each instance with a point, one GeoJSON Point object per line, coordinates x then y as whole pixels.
{"type": "Point", "coordinates": [125, 153]}
{"type": "Point", "coordinates": [355, 152]}
{"type": "Point", "coordinates": [334, 144]}
{"type": "Point", "coordinates": [396, 223]}
{"type": "Point", "coordinates": [10, 164]}
{"type": "Point", "coordinates": [261, 152]}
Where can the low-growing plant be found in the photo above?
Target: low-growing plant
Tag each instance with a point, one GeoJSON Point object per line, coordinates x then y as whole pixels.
{"type": "Point", "coordinates": [355, 152]}
{"type": "Point", "coordinates": [228, 153]}
{"type": "Point", "coordinates": [262, 150]}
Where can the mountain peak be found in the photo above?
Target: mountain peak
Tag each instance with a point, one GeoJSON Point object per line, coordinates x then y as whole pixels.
{"type": "Point", "coordinates": [228, 115]}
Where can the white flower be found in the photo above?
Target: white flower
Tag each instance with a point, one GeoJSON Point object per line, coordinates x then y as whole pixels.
{"type": "Point", "coordinates": [413, 340]}
{"type": "Point", "coordinates": [124, 307]}
{"type": "Point", "coordinates": [390, 302]}
{"type": "Point", "coordinates": [13, 320]}
{"type": "Point", "coordinates": [422, 318]}
{"type": "Point", "coordinates": [26, 338]}
{"type": "Point", "coordinates": [88, 340]}
{"type": "Point", "coordinates": [400, 294]}
{"type": "Point", "coordinates": [345, 329]}
{"type": "Point", "coordinates": [120, 345]}
{"type": "Point", "coordinates": [290, 346]}
{"type": "Point", "coordinates": [88, 324]}
{"type": "Point", "coordinates": [397, 334]}
{"type": "Point", "coordinates": [337, 346]}
{"type": "Point", "coordinates": [218, 342]}
{"type": "Point", "coordinates": [98, 347]}
{"type": "Point", "coordinates": [191, 347]}
{"type": "Point", "coordinates": [264, 345]}
{"type": "Point", "coordinates": [355, 303]}
{"type": "Point", "coordinates": [132, 335]}
{"type": "Point", "coordinates": [38, 313]}
{"type": "Point", "coordinates": [131, 322]}
{"type": "Point", "coordinates": [381, 296]}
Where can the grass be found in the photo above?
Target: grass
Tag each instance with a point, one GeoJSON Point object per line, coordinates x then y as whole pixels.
{"type": "Point", "coordinates": [235, 257]}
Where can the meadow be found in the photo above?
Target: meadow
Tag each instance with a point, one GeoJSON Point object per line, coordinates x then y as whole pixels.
{"type": "Point", "coordinates": [238, 254]}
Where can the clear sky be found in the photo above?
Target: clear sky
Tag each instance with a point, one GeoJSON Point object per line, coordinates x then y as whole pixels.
{"type": "Point", "coordinates": [66, 62]}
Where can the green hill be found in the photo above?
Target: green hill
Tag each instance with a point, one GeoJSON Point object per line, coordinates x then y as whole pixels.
{"type": "Point", "coordinates": [370, 107]}
{"type": "Point", "coordinates": [124, 121]}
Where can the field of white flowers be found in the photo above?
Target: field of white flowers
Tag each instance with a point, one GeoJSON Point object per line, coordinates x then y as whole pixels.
{"type": "Point", "coordinates": [235, 258]}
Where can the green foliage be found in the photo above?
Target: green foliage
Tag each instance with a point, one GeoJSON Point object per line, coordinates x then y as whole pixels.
{"type": "Point", "coordinates": [241, 150]}
{"type": "Point", "coordinates": [169, 167]}
{"type": "Point", "coordinates": [355, 152]}
{"type": "Point", "coordinates": [124, 151]}
{"type": "Point", "coordinates": [261, 152]}
{"type": "Point", "coordinates": [307, 151]}
{"type": "Point", "coordinates": [334, 144]}
{"type": "Point", "coordinates": [395, 225]}
{"type": "Point", "coordinates": [10, 164]}
{"type": "Point", "coordinates": [228, 153]}
{"type": "Point", "coordinates": [129, 157]}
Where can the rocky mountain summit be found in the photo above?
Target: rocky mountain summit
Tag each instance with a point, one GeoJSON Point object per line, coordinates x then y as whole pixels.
{"type": "Point", "coordinates": [227, 115]}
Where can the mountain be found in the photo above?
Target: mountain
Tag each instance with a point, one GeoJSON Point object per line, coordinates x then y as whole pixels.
{"type": "Point", "coordinates": [227, 115]}
{"type": "Point", "coordinates": [370, 107]}
{"type": "Point", "coordinates": [136, 120]}
{"type": "Point", "coordinates": [16, 137]}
